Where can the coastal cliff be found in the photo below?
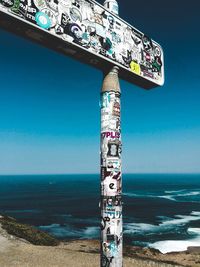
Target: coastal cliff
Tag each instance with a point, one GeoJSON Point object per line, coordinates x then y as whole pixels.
{"type": "Point", "coordinates": [23, 245]}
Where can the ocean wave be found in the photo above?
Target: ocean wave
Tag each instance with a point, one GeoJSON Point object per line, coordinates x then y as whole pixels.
{"type": "Point", "coordinates": [146, 196]}
{"type": "Point", "coordinates": [140, 228]}
{"type": "Point", "coordinates": [181, 219]}
{"type": "Point", "coordinates": [174, 191]}
{"type": "Point", "coordinates": [91, 232]}
{"type": "Point", "coordinates": [193, 193]}
{"type": "Point", "coordinates": [175, 245]}
{"type": "Point", "coordinates": [177, 195]}
{"type": "Point", "coordinates": [166, 225]}
{"type": "Point", "coordinates": [194, 231]}
{"type": "Point", "coordinates": [60, 231]}
{"type": "Point", "coordinates": [195, 213]}
{"type": "Point", "coordinates": [178, 245]}
{"type": "Point", "coordinates": [167, 197]}
{"type": "Point", "coordinates": [64, 231]}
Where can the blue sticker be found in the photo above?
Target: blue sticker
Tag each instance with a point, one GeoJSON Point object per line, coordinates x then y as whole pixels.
{"type": "Point", "coordinates": [113, 249]}
{"type": "Point", "coordinates": [43, 20]}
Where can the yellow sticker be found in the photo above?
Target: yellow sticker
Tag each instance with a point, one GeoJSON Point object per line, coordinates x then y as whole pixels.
{"type": "Point", "coordinates": [135, 67]}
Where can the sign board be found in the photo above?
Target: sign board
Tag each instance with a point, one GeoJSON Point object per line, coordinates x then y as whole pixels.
{"type": "Point", "coordinates": [87, 31]}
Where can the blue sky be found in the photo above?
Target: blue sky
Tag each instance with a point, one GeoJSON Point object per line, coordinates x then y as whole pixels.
{"type": "Point", "coordinates": [49, 103]}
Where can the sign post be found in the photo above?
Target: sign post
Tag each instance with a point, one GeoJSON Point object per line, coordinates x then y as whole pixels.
{"type": "Point", "coordinates": [95, 35]}
{"type": "Point", "coordinates": [111, 180]}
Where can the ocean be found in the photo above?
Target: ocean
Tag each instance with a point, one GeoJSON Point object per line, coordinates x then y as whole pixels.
{"type": "Point", "coordinates": [160, 210]}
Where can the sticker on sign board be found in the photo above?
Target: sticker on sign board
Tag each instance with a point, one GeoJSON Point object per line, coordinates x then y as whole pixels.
{"type": "Point", "coordinates": [43, 20]}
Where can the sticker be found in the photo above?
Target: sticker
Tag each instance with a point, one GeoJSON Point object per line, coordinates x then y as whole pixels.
{"type": "Point", "coordinates": [109, 186]}
{"type": "Point", "coordinates": [105, 43]}
{"type": "Point", "coordinates": [105, 100]}
{"type": "Point", "coordinates": [147, 43]}
{"type": "Point", "coordinates": [110, 124]}
{"type": "Point", "coordinates": [113, 150]}
{"type": "Point", "coordinates": [98, 31]}
{"type": "Point", "coordinates": [7, 3]}
{"type": "Point", "coordinates": [147, 74]}
{"type": "Point", "coordinates": [75, 14]}
{"type": "Point", "coordinates": [110, 134]}
{"type": "Point", "coordinates": [104, 173]}
{"type": "Point", "coordinates": [51, 16]}
{"type": "Point", "coordinates": [59, 29]}
{"type": "Point", "coordinates": [53, 4]}
{"type": "Point", "coordinates": [157, 64]}
{"type": "Point", "coordinates": [76, 3]}
{"type": "Point", "coordinates": [43, 20]}
{"type": "Point", "coordinates": [116, 109]}
{"type": "Point", "coordinates": [31, 12]}
{"type": "Point", "coordinates": [98, 19]}
{"type": "Point", "coordinates": [111, 20]}
{"type": "Point", "coordinates": [40, 3]}
{"type": "Point", "coordinates": [22, 7]}
{"type": "Point", "coordinates": [157, 51]}
{"type": "Point", "coordinates": [75, 31]}
{"type": "Point", "coordinates": [113, 165]}
{"type": "Point", "coordinates": [128, 58]}
{"type": "Point", "coordinates": [15, 7]}
{"type": "Point", "coordinates": [135, 67]}
{"type": "Point", "coordinates": [64, 19]}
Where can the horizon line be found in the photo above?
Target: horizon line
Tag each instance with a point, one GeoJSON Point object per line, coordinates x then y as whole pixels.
{"type": "Point", "coordinates": [125, 173]}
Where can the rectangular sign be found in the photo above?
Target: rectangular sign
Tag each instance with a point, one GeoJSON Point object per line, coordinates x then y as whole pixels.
{"type": "Point", "coordinates": [88, 32]}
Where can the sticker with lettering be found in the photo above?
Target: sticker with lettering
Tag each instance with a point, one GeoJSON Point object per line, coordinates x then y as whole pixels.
{"type": "Point", "coordinates": [135, 67]}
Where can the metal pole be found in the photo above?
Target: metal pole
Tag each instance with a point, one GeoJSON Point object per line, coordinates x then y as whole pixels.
{"type": "Point", "coordinates": [111, 182]}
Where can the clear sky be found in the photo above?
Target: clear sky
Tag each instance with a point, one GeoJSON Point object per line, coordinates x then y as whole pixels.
{"type": "Point", "coordinates": [49, 103]}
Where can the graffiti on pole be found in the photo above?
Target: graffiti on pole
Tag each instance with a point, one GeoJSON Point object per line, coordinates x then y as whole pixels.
{"type": "Point", "coordinates": [111, 182]}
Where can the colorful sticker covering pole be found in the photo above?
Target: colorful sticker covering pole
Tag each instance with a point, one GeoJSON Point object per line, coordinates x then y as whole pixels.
{"type": "Point", "coordinates": [111, 182]}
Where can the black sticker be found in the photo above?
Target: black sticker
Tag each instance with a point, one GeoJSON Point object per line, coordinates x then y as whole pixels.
{"type": "Point", "coordinates": [147, 43]}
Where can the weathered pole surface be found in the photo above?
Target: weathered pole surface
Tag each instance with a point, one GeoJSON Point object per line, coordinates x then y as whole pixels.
{"type": "Point", "coordinates": [111, 182]}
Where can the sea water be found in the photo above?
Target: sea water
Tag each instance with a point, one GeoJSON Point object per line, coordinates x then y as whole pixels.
{"type": "Point", "coordinates": [160, 210]}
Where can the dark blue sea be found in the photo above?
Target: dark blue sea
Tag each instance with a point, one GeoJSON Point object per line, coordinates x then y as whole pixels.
{"type": "Point", "coordinates": [160, 211]}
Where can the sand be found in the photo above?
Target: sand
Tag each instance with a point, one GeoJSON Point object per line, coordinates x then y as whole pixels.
{"type": "Point", "coordinates": [19, 254]}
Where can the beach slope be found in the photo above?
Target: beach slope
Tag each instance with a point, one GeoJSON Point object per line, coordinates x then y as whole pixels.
{"type": "Point", "coordinates": [18, 252]}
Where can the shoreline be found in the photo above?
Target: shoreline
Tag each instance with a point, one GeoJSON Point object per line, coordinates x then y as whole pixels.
{"type": "Point", "coordinates": [18, 252]}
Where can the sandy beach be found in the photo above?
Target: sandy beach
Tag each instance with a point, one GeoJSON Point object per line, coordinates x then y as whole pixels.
{"type": "Point", "coordinates": [17, 252]}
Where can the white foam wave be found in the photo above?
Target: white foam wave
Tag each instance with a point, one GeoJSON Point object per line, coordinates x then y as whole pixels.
{"type": "Point", "coordinates": [91, 232]}
{"type": "Point", "coordinates": [63, 231]}
{"type": "Point", "coordinates": [60, 231]}
{"type": "Point", "coordinates": [170, 195]}
{"type": "Point", "coordinates": [193, 193]}
{"type": "Point", "coordinates": [175, 245]}
{"type": "Point", "coordinates": [195, 213]}
{"type": "Point", "coordinates": [167, 224]}
{"type": "Point", "coordinates": [167, 197]}
{"type": "Point", "coordinates": [175, 191]}
{"type": "Point", "coordinates": [194, 231]}
{"type": "Point", "coordinates": [149, 196]}
{"type": "Point", "coordinates": [181, 219]}
{"type": "Point", "coordinates": [138, 228]}
{"type": "Point", "coordinates": [178, 245]}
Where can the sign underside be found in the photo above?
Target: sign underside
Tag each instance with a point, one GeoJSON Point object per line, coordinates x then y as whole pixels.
{"type": "Point", "coordinates": [88, 32]}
